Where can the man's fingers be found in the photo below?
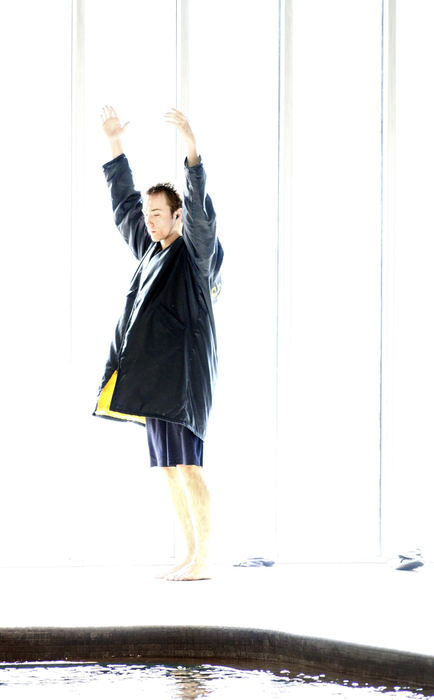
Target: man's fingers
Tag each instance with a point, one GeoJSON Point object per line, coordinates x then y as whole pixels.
{"type": "Point", "coordinates": [109, 111]}
{"type": "Point", "coordinates": [176, 114]}
{"type": "Point", "coordinates": [173, 119]}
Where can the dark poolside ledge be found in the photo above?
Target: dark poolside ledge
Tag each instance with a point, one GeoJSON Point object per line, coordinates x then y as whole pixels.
{"type": "Point", "coordinates": [230, 646]}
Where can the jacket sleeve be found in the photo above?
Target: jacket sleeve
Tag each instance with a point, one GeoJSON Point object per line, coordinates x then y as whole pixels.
{"type": "Point", "coordinates": [199, 219]}
{"type": "Point", "coordinates": [127, 205]}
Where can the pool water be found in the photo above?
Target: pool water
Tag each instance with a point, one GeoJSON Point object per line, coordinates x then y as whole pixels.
{"type": "Point", "coordinates": [61, 680]}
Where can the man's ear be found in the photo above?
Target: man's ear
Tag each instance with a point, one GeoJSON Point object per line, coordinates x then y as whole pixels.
{"type": "Point", "coordinates": [179, 214]}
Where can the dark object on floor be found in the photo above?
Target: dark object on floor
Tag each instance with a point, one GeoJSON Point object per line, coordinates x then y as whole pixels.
{"type": "Point", "coordinates": [409, 561]}
{"type": "Point", "coordinates": [256, 561]}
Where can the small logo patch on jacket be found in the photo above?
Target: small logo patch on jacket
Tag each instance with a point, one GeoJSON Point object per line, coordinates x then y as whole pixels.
{"type": "Point", "coordinates": [215, 291]}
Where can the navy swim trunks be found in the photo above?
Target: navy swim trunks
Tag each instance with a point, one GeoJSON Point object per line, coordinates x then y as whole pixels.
{"type": "Point", "coordinates": [171, 444]}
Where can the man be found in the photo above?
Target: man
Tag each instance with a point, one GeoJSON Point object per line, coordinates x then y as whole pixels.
{"type": "Point", "coordinates": [162, 364]}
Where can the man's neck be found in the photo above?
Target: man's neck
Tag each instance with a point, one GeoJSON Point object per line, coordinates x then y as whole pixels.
{"type": "Point", "coordinates": [166, 242]}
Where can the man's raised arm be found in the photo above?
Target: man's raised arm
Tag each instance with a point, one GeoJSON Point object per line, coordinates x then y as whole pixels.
{"type": "Point", "coordinates": [126, 200]}
{"type": "Point", "coordinates": [113, 129]}
{"type": "Point", "coordinates": [198, 215]}
{"type": "Point", "coordinates": [179, 120]}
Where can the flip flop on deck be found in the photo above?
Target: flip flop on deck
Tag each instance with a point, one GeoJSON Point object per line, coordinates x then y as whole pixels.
{"type": "Point", "coordinates": [256, 561]}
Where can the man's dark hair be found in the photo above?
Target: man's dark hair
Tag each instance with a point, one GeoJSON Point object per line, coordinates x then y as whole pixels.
{"type": "Point", "coordinates": [173, 199]}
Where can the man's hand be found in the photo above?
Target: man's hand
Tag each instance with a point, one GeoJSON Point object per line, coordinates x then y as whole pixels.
{"type": "Point", "coordinates": [113, 129]}
{"type": "Point", "coordinates": [180, 121]}
{"type": "Point", "coordinates": [111, 124]}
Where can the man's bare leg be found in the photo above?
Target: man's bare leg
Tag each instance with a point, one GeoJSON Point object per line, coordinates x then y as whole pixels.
{"type": "Point", "coordinates": [182, 509]}
{"type": "Point", "coordinates": [197, 497]}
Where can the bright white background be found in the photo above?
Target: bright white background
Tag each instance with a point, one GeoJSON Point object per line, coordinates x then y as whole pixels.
{"type": "Point", "coordinates": [328, 496]}
{"type": "Point", "coordinates": [408, 514]}
{"type": "Point", "coordinates": [234, 100]}
{"type": "Point", "coordinates": [77, 489]}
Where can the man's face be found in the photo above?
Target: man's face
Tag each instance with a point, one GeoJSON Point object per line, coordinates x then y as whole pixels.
{"type": "Point", "coordinates": [161, 223]}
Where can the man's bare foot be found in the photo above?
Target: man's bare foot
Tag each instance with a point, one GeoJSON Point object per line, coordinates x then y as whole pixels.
{"type": "Point", "coordinates": [194, 571]}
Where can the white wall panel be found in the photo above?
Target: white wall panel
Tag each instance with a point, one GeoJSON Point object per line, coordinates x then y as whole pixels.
{"type": "Point", "coordinates": [35, 53]}
{"type": "Point", "coordinates": [233, 102]}
{"type": "Point", "coordinates": [328, 491]}
{"type": "Point", "coordinates": [408, 515]}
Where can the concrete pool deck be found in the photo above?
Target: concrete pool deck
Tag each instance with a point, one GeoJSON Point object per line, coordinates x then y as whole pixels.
{"type": "Point", "coordinates": [361, 603]}
{"type": "Point", "coordinates": [368, 604]}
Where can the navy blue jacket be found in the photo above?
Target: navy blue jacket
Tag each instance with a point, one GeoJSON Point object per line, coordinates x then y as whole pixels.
{"type": "Point", "coordinates": [163, 357]}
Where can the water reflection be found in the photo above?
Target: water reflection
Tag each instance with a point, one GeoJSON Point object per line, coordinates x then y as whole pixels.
{"type": "Point", "coordinates": [190, 682]}
{"type": "Point", "coordinates": [123, 681]}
